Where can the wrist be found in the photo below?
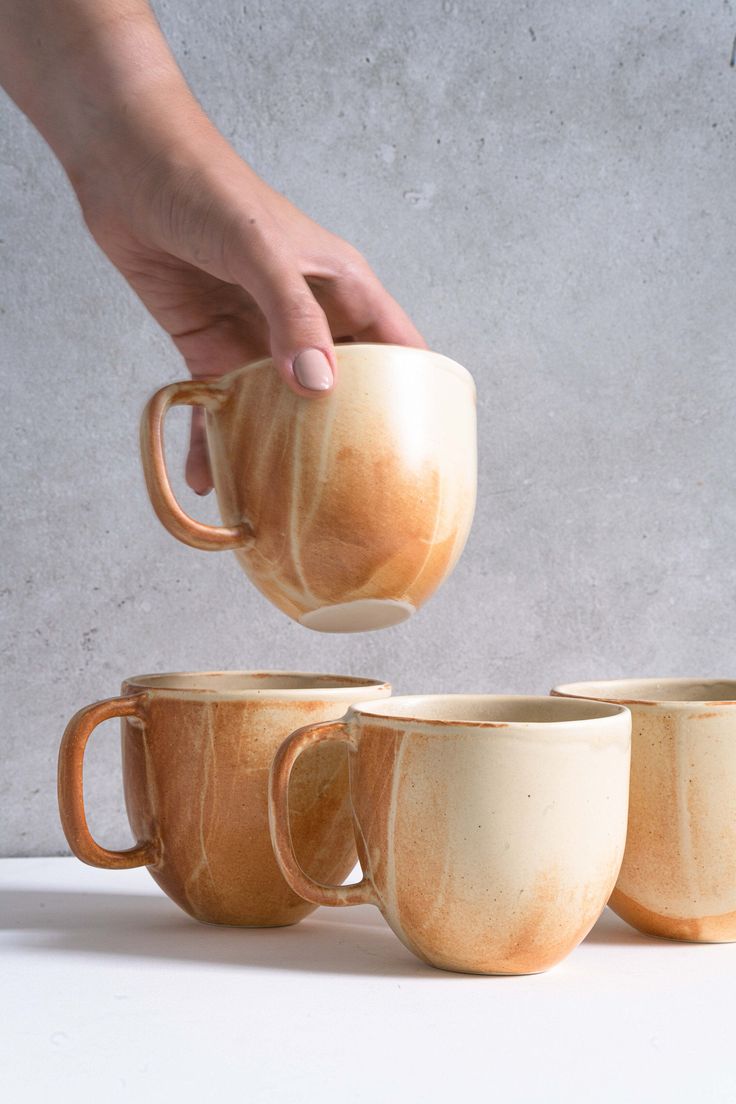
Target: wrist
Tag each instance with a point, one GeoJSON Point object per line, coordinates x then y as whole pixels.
{"type": "Point", "coordinates": [126, 98]}
{"type": "Point", "coordinates": [136, 128]}
{"type": "Point", "coordinates": [100, 84]}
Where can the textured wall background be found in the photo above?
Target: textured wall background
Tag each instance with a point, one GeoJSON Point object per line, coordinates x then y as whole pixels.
{"type": "Point", "coordinates": [549, 190]}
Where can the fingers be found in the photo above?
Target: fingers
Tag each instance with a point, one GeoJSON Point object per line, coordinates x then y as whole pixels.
{"type": "Point", "coordinates": [300, 331]}
{"type": "Point", "coordinates": [300, 337]}
{"type": "Point", "coordinates": [301, 341]}
{"type": "Point", "coordinates": [356, 303]}
{"type": "Point", "coordinates": [303, 306]}
{"type": "Point", "coordinates": [390, 325]}
{"type": "Point", "coordinates": [231, 332]}
{"type": "Point", "coordinates": [198, 473]}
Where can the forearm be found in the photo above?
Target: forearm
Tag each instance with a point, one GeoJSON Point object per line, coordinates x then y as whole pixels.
{"type": "Point", "coordinates": [227, 266]}
{"type": "Point", "coordinates": [97, 79]}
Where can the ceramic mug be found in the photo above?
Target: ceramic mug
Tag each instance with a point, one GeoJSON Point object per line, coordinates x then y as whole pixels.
{"type": "Point", "coordinates": [347, 511]}
{"type": "Point", "coordinates": [490, 829]}
{"type": "Point", "coordinates": [196, 753]}
{"type": "Point", "coordinates": [678, 877]}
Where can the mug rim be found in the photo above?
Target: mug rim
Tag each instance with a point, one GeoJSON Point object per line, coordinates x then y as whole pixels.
{"type": "Point", "coordinates": [315, 685]}
{"type": "Point", "coordinates": [442, 361]}
{"type": "Point", "coordinates": [636, 691]}
{"type": "Point", "coordinates": [385, 710]}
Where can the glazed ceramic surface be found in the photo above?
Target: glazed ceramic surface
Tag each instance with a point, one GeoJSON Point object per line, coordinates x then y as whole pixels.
{"type": "Point", "coordinates": [490, 830]}
{"type": "Point", "coordinates": [347, 511]}
{"type": "Point", "coordinates": [196, 753]}
{"type": "Point", "coordinates": [678, 877]}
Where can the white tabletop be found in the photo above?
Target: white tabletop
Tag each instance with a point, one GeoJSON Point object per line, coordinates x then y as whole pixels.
{"type": "Point", "coordinates": [109, 993]}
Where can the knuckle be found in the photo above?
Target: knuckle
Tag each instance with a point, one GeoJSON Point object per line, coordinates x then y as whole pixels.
{"type": "Point", "coordinates": [299, 307]}
{"type": "Point", "coordinates": [353, 269]}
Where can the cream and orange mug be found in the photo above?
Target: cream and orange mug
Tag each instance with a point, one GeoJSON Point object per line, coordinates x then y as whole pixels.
{"type": "Point", "coordinates": [678, 877]}
{"type": "Point", "coordinates": [490, 829]}
{"type": "Point", "coordinates": [197, 748]}
{"type": "Point", "coordinates": [347, 511]}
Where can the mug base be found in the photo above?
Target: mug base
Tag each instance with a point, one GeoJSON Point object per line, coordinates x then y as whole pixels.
{"type": "Point", "coordinates": [363, 615]}
{"type": "Point", "coordinates": [692, 929]}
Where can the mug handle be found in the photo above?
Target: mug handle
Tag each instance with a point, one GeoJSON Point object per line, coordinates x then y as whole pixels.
{"type": "Point", "coordinates": [208, 538]}
{"type": "Point", "coordinates": [71, 793]}
{"type": "Point", "coordinates": [362, 892]}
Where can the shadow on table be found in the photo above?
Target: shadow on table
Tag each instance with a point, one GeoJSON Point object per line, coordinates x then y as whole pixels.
{"type": "Point", "coordinates": [357, 941]}
{"type": "Point", "coordinates": [353, 941]}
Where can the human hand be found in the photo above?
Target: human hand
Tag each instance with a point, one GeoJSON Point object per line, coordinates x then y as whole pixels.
{"type": "Point", "coordinates": [229, 268]}
{"type": "Point", "coordinates": [234, 272]}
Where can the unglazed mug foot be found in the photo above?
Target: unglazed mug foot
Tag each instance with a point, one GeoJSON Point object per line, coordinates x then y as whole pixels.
{"type": "Point", "coordinates": [347, 511]}
{"type": "Point", "coordinates": [196, 755]}
{"type": "Point", "coordinates": [490, 830]}
{"type": "Point", "coordinates": [678, 876]}
{"type": "Point", "coordinates": [358, 616]}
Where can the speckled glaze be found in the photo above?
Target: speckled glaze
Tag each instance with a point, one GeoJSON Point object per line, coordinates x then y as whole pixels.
{"type": "Point", "coordinates": [196, 753]}
{"type": "Point", "coordinates": [490, 830]}
{"type": "Point", "coordinates": [678, 877]}
{"type": "Point", "coordinates": [347, 511]}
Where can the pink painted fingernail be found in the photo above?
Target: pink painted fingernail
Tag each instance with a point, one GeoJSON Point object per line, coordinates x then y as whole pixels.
{"type": "Point", "coordinates": [312, 370]}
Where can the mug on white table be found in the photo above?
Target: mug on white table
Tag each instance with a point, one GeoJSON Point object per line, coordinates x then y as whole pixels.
{"type": "Point", "coordinates": [678, 877]}
{"type": "Point", "coordinates": [490, 829]}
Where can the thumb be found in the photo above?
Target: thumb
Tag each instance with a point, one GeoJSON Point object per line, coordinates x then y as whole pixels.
{"type": "Point", "coordinates": [301, 342]}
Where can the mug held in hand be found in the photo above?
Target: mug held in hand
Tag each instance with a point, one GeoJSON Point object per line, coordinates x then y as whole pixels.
{"type": "Point", "coordinates": [346, 511]}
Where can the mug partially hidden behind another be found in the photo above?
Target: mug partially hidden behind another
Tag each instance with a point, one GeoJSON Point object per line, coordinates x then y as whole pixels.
{"type": "Point", "coordinates": [196, 753]}
{"type": "Point", "coordinates": [490, 830]}
{"type": "Point", "coordinates": [347, 511]}
{"type": "Point", "coordinates": [678, 877]}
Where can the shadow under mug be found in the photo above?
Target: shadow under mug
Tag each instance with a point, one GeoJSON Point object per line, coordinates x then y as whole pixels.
{"type": "Point", "coordinates": [347, 511]}
{"type": "Point", "coordinates": [678, 877]}
{"type": "Point", "coordinates": [196, 754]}
{"type": "Point", "coordinates": [490, 829]}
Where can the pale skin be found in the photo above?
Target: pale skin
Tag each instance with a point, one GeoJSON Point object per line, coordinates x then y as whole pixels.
{"type": "Point", "coordinates": [228, 267]}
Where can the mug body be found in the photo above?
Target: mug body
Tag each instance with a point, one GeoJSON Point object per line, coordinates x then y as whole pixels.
{"type": "Point", "coordinates": [360, 501]}
{"type": "Point", "coordinates": [492, 829]}
{"type": "Point", "coordinates": [195, 773]}
{"type": "Point", "coordinates": [678, 877]}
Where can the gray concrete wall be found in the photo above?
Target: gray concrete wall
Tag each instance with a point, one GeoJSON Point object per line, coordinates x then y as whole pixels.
{"type": "Point", "coordinates": [549, 189]}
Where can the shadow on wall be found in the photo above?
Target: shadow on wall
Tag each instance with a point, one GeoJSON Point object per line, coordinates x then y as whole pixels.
{"type": "Point", "coordinates": [352, 941]}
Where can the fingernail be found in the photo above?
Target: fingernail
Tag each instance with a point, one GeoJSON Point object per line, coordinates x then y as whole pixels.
{"type": "Point", "coordinates": [312, 370]}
